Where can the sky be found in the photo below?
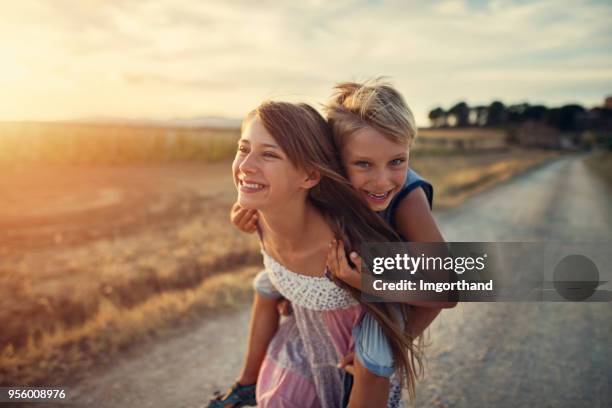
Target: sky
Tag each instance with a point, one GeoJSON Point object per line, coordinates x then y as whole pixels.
{"type": "Point", "coordinates": [75, 59]}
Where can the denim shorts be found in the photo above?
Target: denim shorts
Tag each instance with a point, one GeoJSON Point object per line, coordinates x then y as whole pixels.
{"type": "Point", "coordinates": [264, 286]}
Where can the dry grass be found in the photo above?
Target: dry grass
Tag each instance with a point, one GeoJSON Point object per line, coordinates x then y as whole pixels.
{"type": "Point", "coordinates": [457, 177]}
{"type": "Point", "coordinates": [58, 352]}
{"type": "Point", "coordinates": [463, 133]}
{"type": "Point", "coordinates": [601, 163]}
{"type": "Point", "coordinates": [73, 143]}
{"type": "Point", "coordinates": [57, 275]}
{"type": "Point", "coordinates": [459, 141]}
{"type": "Point", "coordinates": [81, 278]}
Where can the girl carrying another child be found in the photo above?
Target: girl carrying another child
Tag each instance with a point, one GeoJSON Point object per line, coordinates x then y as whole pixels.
{"type": "Point", "coordinates": [372, 133]}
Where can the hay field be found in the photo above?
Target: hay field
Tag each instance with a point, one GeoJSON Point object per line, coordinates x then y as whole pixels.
{"type": "Point", "coordinates": [73, 143]}
{"type": "Point", "coordinates": [459, 141]}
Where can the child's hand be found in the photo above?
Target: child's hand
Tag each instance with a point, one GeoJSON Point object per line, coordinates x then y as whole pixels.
{"type": "Point", "coordinates": [346, 363]}
{"type": "Point", "coordinates": [245, 220]}
{"type": "Point", "coordinates": [339, 266]}
{"type": "Point", "coordinates": [284, 307]}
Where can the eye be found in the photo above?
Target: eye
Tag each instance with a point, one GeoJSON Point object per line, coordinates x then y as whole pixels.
{"type": "Point", "coordinates": [397, 162]}
{"type": "Point", "coordinates": [362, 164]}
{"type": "Point", "coordinates": [242, 149]}
{"type": "Point", "coordinates": [271, 155]}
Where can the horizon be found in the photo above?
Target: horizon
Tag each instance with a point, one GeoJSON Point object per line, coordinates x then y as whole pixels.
{"type": "Point", "coordinates": [234, 122]}
{"type": "Point", "coordinates": [224, 122]}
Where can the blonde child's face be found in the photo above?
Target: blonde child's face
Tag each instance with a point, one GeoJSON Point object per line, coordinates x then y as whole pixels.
{"type": "Point", "coordinates": [375, 166]}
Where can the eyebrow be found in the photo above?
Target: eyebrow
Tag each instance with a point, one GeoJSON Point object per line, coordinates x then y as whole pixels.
{"type": "Point", "coordinates": [263, 144]}
{"type": "Point", "coordinates": [397, 156]}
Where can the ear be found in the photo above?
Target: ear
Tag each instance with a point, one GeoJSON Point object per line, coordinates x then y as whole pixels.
{"type": "Point", "coordinates": [312, 179]}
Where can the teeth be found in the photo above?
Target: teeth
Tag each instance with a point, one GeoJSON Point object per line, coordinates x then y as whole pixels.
{"type": "Point", "coordinates": [379, 196]}
{"type": "Point", "coordinates": [251, 185]}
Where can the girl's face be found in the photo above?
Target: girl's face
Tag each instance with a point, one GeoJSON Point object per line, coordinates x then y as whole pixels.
{"type": "Point", "coordinates": [375, 166]}
{"type": "Point", "coordinates": [263, 174]}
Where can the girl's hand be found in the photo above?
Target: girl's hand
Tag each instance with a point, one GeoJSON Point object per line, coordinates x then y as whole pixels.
{"type": "Point", "coordinates": [339, 266]}
{"type": "Point", "coordinates": [245, 220]}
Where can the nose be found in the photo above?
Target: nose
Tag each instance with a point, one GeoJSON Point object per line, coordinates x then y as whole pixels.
{"type": "Point", "coordinates": [247, 166]}
{"type": "Point", "coordinates": [382, 180]}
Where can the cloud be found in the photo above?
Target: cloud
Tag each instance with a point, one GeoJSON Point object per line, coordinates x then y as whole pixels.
{"type": "Point", "coordinates": [147, 79]}
{"type": "Point", "coordinates": [221, 57]}
{"type": "Point", "coordinates": [451, 7]}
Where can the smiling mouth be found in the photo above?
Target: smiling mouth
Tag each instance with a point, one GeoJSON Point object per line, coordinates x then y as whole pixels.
{"type": "Point", "coordinates": [378, 196]}
{"type": "Point", "coordinates": [250, 185]}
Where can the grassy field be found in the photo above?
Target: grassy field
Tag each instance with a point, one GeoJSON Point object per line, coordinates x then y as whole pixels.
{"type": "Point", "coordinates": [458, 141]}
{"type": "Point", "coordinates": [32, 143]}
{"type": "Point", "coordinates": [96, 258]}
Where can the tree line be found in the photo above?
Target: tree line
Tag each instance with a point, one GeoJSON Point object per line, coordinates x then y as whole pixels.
{"type": "Point", "coordinates": [566, 118]}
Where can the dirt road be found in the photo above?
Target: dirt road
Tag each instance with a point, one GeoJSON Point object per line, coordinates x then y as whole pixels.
{"type": "Point", "coordinates": [482, 355]}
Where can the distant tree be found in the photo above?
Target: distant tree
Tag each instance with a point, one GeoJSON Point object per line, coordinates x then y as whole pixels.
{"type": "Point", "coordinates": [568, 118]}
{"type": "Point", "coordinates": [516, 113]}
{"type": "Point", "coordinates": [600, 118]}
{"type": "Point", "coordinates": [479, 115]}
{"type": "Point", "coordinates": [553, 117]}
{"type": "Point", "coordinates": [473, 117]}
{"type": "Point", "coordinates": [437, 117]}
{"type": "Point", "coordinates": [536, 113]}
{"type": "Point", "coordinates": [497, 114]}
{"type": "Point", "coordinates": [600, 124]}
{"type": "Point", "coordinates": [461, 112]}
{"type": "Point", "coordinates": [574, 118]}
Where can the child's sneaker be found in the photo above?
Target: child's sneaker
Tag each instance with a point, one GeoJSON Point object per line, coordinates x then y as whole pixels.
{"type": "Point", "coordinates": [237, 396]}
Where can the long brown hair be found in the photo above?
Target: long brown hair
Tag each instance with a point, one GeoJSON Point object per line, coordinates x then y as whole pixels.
{"type": "Point", "coordinates": [306, 139]}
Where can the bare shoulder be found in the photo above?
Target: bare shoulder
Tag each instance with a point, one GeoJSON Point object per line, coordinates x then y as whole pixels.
{"type": "Point", "coordinates": [414, 219]}
{"type": "Point", "coordinates": [416, 199]}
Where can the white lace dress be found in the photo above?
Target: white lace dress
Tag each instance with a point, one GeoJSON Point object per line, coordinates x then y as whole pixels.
{"type": "Point", "coordinates": [300, 368]}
